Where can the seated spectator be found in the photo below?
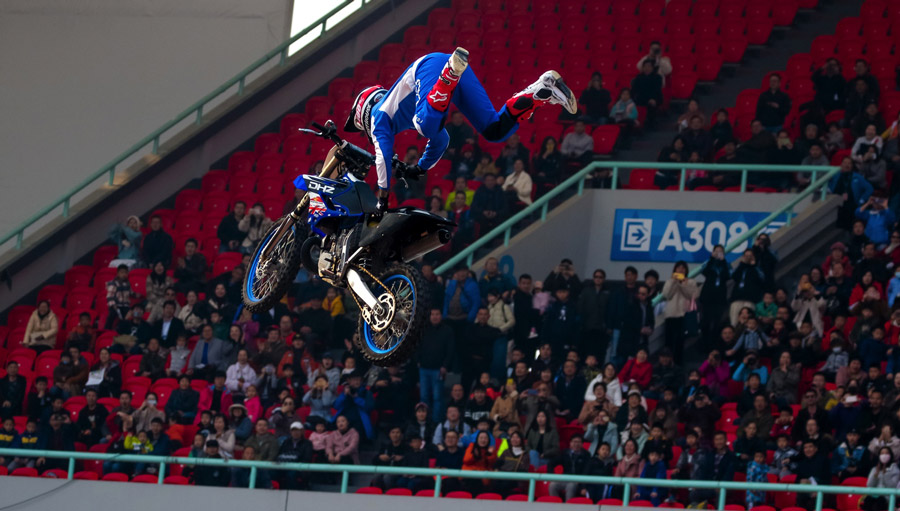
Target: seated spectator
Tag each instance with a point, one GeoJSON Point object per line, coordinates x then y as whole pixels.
{"type": "Point", "coordinates": [118, 296]}
{"type": "Point", "coordinates": [489, 205]}
{"type": "Point", "coordinates": [885, 439]}
{"type": "Point", "coordinates": [859, 95]}
{"type": "Point", "coordinates": [480, 455]}
{"type": "Point", "coordinates": [255, 224]}
{"type": "Point", "coordinates": [465, 163]}
{"type": "Point", "coordinates": [344, 445]}
{"type": "Point", "coordinates": [675, 152]}
{"type": "Point", "coordinates": [190, 269]}
{"type": "Point", "coordinates": [512, 151]}
{"type": "Point", "coordinates": [834, 138]}
{"type": "Point", "coordinates": [128, 237]}
{"type": "Point", "coordinates": [542, 440]}
{"type": "Point", "coordinates": [891, 138]}
{"type": "Point", "coordinates": [295, 449]}
{"type": "Point", "coordinates": [696, 138]}
{"type": "Point", "coordinates": [884, 474]}
{"type": "Point", "coordinates": [785, 152]}
{"type": "Point", "coordinates": [870, 115]}
{"type": "Point", "coordinates": [629, 461]}
{"type": "Point", "coordinates": [715, 464]}
{"type": "Point", "coordinates": [105, 375]}
{"type": "Point", "coordinates": [41, 329]}
{"type": "Point", "coordinates": [849, 458]}
{"type": "Point", "coordinates": [231, 237]}
{"type": "Point", "coordinates": [157, 244]}
{"type": "Point", "coordinates": [700, 413]}
{"type": "Point", "coordinates": [812, 467]}
{"type": "Point", "coordinates": [624, 113]}
{"type": "Point", "coordinates": [183, 401]}
{"type": "Point", "coordinates": [830, 85]}
{"type": "Point", "coordinates": [240, 477]}
{"type": "Point", "coordinates": [391, 452]}
{"type": "Point", "coordinates": [647, 88]}
{"type": "Point", "coordinates": [212, 475]}
{"type": "Point", "coordinates": [91, 419]}
{"type": "Point", "coordinates": [717, 374]}
{"type": "Point", "coordinates": [784, 380]}
{"type": "Point", "coordinates": [209, 356]}
{"type": "Point", "coordinates": [83, 335]}
{"type": "Point", "coordinates": [512, 459]}
{"type": "Point", "coordinates": [485, 166]}
{"type": "Point", "coordinates": [460, 134]}
{"type": "Point", "coordinates": [319, 398]}
{"type": "Point", "coordinates": [460, 187]}
{"type": "Point", "coordinates": [574, 461]}
{"type": "Point", "coordinates": [862, 70]}
{"type": "Point", "coordinates": [721, 132]}
{"type": "Point", "coordinates": [866, 154]}
{"type": "Point", "coordinates": [596, 100]}
{"type": "Point", "coordinates": [756, 149]}
{"type": "Point", "coordinates": [193, 314]}
{"type": "Point", "coordinates": [133, 332]}
{"type": "Point", "coordinates": [518, 185]}
{"type": "Point", "coordinates": [661, 64]}
{"type": "Point", "coordinates": [693, 108]}
{"type": "Point", "coordinates": [241, 374]}
{"type": "Point", "coordinates": [577, 146]}
{"type": "Point", "coordinates": [652, 468]}
{"type": "Point", "coordinates": [58, 435]}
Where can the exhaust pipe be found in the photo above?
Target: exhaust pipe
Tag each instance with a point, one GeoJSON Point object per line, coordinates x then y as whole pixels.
{"type": "Point", "coordinates": [425, 245]}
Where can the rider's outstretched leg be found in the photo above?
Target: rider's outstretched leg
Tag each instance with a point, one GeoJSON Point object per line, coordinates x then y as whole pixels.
{"type": "Point", "coordinates": [440, 94]}
{"type": "Point", "coordinates": [474, 103]}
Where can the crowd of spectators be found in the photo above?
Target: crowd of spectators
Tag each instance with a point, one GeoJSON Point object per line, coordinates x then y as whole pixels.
{"type": "Point", "coordinates": [842, 118]}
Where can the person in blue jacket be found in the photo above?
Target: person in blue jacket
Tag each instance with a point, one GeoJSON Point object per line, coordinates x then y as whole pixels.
{"type": "Point", "coordinates": [855, 189]}
{"type": "Point", "coordinates": [879, 219]}
{"type": "Point", "coordinates": [420, 98]}
{"type": "Point", "coordinates": [462, 297]}
{"type": "Point", "coordinates": [356, 403]}
{"type": "Point", "coordinates": [654, 468]}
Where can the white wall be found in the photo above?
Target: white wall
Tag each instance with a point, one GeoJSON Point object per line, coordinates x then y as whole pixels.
{"type": "Point", "coordinates": [83, 80]}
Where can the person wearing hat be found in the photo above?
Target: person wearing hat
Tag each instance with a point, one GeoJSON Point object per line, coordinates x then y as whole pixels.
{"type": "Point", "coordinates": [356, 403]}
{"type": "Point", "coordinates": [465, 162]}
{"type": "Point", "coordinates": [654, 467]}
{"type": "Point", "coordinates": [563, 275]}
{"type": "Point", "coordinates": [295, 449]}
{"type": "Point", "coordinates": [212, 475]}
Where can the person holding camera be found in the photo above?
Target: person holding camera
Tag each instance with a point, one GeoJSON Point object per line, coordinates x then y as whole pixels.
{"type": "Point", "coordinates": [255, 224]}
{"type": "Point", "coordinates": [661, 64]}
{"type": "Point", "coordinates": [879, 219]}
{"type": "Point", "coordinates": [679, 293]}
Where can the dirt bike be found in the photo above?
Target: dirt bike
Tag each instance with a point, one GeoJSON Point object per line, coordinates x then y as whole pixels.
{"type": "Point", "coordinates": [347, 248]}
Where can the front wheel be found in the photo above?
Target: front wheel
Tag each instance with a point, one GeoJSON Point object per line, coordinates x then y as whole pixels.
{"type": "Point", "coordinates": [267, 280]}
{"type": "Point", "coordinates": [394, 344]}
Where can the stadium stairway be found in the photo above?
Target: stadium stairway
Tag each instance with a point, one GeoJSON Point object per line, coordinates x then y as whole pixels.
{"type": "Point", "coordinates": [758, 61]}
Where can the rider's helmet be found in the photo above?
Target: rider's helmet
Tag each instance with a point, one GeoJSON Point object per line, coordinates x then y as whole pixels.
{"type": "Point", "coordinates": [360, 117]}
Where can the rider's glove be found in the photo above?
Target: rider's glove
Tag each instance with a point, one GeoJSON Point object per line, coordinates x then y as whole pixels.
{"type": "Point", "coordinates": [414, 172]}
{"type": "Point", "coordinates": [382, 206]}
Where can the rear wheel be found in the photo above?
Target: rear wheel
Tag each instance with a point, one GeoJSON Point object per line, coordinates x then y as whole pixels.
{"type": "Point", "coordinates": [395, 343]}
{"type": "Point", "coordinates": [268, 280]}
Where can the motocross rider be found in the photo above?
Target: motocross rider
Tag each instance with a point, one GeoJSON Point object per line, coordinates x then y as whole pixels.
{"type": "Point", "coordinates": [420, 98]}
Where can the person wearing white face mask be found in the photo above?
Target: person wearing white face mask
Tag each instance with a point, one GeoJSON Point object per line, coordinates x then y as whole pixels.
{"type": "Point", "coordinates": [144, 415]}
{"type": "Point", "coordinates": [884, 474]}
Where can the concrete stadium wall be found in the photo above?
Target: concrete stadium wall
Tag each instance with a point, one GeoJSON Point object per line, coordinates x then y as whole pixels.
{"type": "Point", "coordinates": [26, 494]}
{"type": "Point", "coordinates": [61, 243]}
{"type": "Point", "coordinates": [83, 80]}
{"type": "Point", "coordinates": [582, 228]}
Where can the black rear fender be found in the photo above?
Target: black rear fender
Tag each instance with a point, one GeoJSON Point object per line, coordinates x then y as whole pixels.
{"type": "Point", "coordinates": [403, 225]}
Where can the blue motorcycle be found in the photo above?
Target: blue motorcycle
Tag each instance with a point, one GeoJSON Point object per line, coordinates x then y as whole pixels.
{"type": "Point", "coordinates": [334, 234]}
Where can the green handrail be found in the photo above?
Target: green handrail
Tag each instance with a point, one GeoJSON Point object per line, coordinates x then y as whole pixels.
{"type": "Point", "coordinates": [438, 474]}
{"type": "Point", "coordinates": [579, 178]}
{"type": "Point", "coordinates": [154, 138]}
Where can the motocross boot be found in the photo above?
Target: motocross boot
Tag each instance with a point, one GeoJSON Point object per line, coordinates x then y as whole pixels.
{"type": "Point", "coordinates": [548, 89]}
{"type": "Point", "coordinates": [440, 93]}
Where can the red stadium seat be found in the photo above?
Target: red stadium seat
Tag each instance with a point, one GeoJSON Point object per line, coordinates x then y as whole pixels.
{"type": "Point", "coordinates": [489, 496]}
{"type": "Point", "coordinates": [605, 138]}
{"type": "Point", "coordinates": [86, 475]}
{"type": "Point", "coordinates": [116, 477]}
{"type": "Point", "coordinates": [241, 161]}
{"type": "Point", "coordinates": [758, 31]}
{"type": "Point", "coordinates": [25, 472]}
{"type": "Point", "coordinates": [290, 123]}
{"type": "Point", "coordinates": [176, 480]}
{"type": "Point", "coordinates": [145, 478]}
{"type": "Point", "coordinates": [459, 495]}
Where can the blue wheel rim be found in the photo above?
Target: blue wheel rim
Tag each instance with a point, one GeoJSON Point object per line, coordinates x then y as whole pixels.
{"type": "Point", "coordinates": [254, 264]}
{"type": "Point", "coordinates": [369, 334]}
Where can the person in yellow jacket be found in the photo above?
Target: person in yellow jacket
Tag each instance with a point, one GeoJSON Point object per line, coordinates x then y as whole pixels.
{"type": "Point", "coordinates": [139, 444]}
{"type": "Point", "coordinates": [333, 302]}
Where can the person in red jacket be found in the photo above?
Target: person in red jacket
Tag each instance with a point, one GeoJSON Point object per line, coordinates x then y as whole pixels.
{"type": "Point", "coordinates": [637, 369]}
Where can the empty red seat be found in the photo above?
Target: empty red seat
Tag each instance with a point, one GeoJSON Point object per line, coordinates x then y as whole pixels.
{"type": "Point", "coordinates": [290, 123]}
{"type": "Point", "coordinates": [489, 496]}
{"type": "Point", "coordinates": [605, 138]}
{"type": "Point", "coordinates": [552, 499]}
{"type": "Point", "coordinates": [145, 478]}
{"type": "Point", "coordinates": [241, 161]}
{"type": "Point", "coordinates": [733, 48]}
{"type": "Point", "coordinates": [53, 293]}
{"type": "Point", "coordinates": [402, 492]}
{"type": "Point", "coordinates": [116, 477]}
{"type": "Point", "coordinates": [784, 12]}
{"type": "Point", "coordinates": [580, 500]}
{"type": "Point", "coordinates": [25, 472]}
{"type": "Point", "coordinates": [86, 475]}
{"type": "Point", "coordinates": [226, 261]}
{"type": "Point", "coordinates": [104, 254]}
{"type": "Point", "coordinates": [19, 315]}
{"type": "Point", "coordinates": [459, 495]}
{"type": "Point", "coordinates": [848, 27]}
{"type": "Point", "coordinates": [178, 480]}
{"type": "Point", "coordinates": [683, 85]}
{"type": "Point", "coordinates": [823, 48]}
{"type": "Point", "coordinates": [518, 497]}
{"type": "Point", "coordinates": [759, 30]}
